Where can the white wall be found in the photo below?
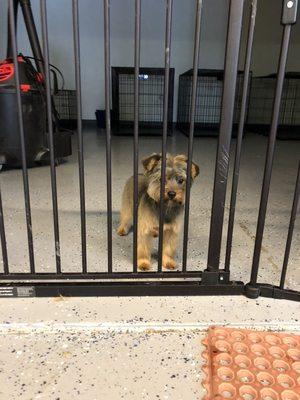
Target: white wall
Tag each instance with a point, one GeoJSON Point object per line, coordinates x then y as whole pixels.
{"type": "Point", "coordinates": [267, 39]}
{"type": "Point", "coordinates": [122, 32]}
{"type": "Point", "coordinates": [214, 22]}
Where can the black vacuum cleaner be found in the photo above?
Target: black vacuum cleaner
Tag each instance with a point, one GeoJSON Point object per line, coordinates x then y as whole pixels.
{"type": "Point", "coordinates": [33, 97]}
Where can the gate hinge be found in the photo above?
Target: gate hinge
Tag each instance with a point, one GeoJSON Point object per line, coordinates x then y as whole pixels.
{"type": "Point", "coordinates": [252, 291]}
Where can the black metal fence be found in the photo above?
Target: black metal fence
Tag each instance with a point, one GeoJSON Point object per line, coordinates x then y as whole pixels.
{"type": "Point", "coordinates": [214, 280]}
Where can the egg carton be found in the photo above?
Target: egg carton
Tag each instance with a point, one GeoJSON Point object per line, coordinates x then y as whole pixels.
{"type": "Point", "coordinates": [251, 365]}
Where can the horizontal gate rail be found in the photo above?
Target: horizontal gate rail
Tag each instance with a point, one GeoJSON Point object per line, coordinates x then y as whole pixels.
{"type": "Point", "coordinates": [277, 293]}
{"type": "Point", "coordinates": [132, 288]}
{"type": "Point", "coordinates": [100, 275]}
{"type": "Point", "coordinates": [135, 287]}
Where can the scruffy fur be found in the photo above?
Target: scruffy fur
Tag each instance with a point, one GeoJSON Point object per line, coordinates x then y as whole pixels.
{"type": "Point", "coordinates": [149, 206]}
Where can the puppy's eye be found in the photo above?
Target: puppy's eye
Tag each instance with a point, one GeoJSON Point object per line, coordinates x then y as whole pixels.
{"type": "Point", "coordinates": [180, 180]}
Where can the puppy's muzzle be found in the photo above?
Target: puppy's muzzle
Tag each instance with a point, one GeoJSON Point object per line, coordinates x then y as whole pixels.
{"type": "Point", "coordinates": [171, 194]}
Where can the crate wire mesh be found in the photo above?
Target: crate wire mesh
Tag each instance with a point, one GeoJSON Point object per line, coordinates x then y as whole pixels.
{"type": "Point", "coordinates": [151, 98]}
{"type": "Point", "coordinates": [208, 101]}
{"type": "Point", "coordinates": [65, 104]}
{"type": "Point", "coordinates": [262, 95]}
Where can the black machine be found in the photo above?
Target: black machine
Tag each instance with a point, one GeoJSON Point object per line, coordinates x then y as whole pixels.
{"type": "Point", "coordinates": [33, 97]}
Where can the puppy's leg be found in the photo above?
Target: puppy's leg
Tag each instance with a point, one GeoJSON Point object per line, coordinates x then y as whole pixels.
{"type": "Point", "coordinates": [169, 247]}
{"type": "Point", "coordinates": [145, 236]}
{"type": "Point", "coordinates": [125, 220]}
{"type": "Point", "coordinates": [126, 210]}
{"type": "Point", "coordinates": [144, 250]}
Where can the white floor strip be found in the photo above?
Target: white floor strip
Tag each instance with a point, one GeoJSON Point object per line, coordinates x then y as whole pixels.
{"type": "Point", "coordinates": [15, 328]}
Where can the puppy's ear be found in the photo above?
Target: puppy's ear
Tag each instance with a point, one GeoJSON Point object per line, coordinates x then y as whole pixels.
{"type": "Point", "coordinates": [195, 170]}
{"type": "Point", "coordinates": [151, 162]}
{"type": "Point", "coordinates": [181, 158]}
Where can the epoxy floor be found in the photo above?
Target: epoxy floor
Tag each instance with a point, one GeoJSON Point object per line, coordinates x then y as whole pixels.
{"type": "Point", "coordinates": [102, 365]}
{"type": "Point", "coordinates": [281, 194]}
{"type": "Point", "coordinates": [120, 348]}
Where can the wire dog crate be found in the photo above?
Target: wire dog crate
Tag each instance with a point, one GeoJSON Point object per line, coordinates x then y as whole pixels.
{"type": "Point", "coordinates": [208, 101]}
{"type": "Point", "coordinates": [262, 95]}
{"type": "Point", "coordinates": [151, 99]}
{"type": "Point", "coordinates": [65, 104]}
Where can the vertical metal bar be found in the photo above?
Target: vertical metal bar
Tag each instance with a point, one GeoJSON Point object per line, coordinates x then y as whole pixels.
{"type": "Point", "coordinates": [270, 155]}
{"type": "Point", "coordinates": [46, 69]}
{"type": "Point", "coordinates": [3, 239]}
{"type": "Point", "coordinates": [291, 229]}
{"type": "Point", "coordinates": [238, 150]}
{"type": "Point", "coordinates": [79, 131]}
{"type": "Point", "coordinates": [222, 161]}
{"type": "Point", "coordinates": [169, 6]}
{"type": "Point", "coordinates": [137, 39]}
{"type": "Point", "coordinates": [15, 11]}
{"type": "Point", "coordinates": [191, 132]}
{"type": "Point", "coordinates": [22, 139]}
{"type": "Point", "coordinates": [106, 4]}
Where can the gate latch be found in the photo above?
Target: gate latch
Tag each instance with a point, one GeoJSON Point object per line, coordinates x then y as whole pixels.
{"type": "Point", "coordinates": [289, 12]}
{"type": "Point", "coordinates": [218, 277]}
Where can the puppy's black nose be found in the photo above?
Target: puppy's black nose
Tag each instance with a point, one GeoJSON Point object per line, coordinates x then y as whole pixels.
{"type": "Point", "coordinates": [171, 194]}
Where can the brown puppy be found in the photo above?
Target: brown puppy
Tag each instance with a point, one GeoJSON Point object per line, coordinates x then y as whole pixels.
{"type": "Point", "coordinates": [149, 206]}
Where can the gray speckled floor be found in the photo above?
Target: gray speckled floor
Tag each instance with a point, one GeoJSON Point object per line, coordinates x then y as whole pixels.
{"type": "Point", "coordinates": [119, 348]}
{"type": "Point", "coordinates": [101, 365]}
{"type": "Point", "coordinates": [147, 312]}
{"type": "Point", "coordinates": [286, 159]}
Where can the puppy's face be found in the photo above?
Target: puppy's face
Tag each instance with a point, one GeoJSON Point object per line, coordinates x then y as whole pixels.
{"type": "Point", "coordinates": [176, 176]}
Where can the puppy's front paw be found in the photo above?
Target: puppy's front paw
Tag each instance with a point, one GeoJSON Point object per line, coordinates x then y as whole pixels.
{"type": "Point", "coordinates": [169, 263]}
{"type": "Point", "coordinates": [144, 264]}
{"type": "Point", "coordinates": [122, 231]}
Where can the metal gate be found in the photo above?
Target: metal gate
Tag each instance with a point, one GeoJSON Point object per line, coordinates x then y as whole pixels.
{"type": "Point", "coordinates": [215, 279]}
